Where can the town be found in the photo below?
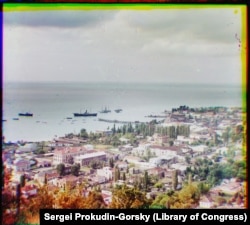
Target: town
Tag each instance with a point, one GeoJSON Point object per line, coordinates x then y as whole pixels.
{"type": "Point", "coordinates": [190, 158]}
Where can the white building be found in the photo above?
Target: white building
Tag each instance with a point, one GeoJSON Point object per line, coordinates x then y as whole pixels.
{"type": "Point", "coordinates": [107, 172]}
{"type": "Point", "coordinates": [65, 154]}
{"type": "Point", "coordinates": [21, 165]}
{"type": "Point", "coordinates": [87, 158]}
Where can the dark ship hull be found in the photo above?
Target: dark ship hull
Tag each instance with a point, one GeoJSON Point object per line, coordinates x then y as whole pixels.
{"type": "Point", "coordinates": [25, 114]}
{"type": "Point", "coordinates": [84, 114]}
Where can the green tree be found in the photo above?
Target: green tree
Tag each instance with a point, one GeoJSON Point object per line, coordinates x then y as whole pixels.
{"type": "Point", "coordinates": [75, 169]}
{"type": "Point", "coordinates": [146, 180]}
{"type": "Point", "coordinates": [188, 159]}
{"type": "Point", "coordinates": [174, 179]}
{"type": "Point", "coordinates": [83, 133]}
{"type": "Point", "coordinates": [117, 174]}
{"type": "Point", "coordinates": [22, 180]}
{"type": "Point", "coordinates": [111, 162]}
{"type": "Point", "coordinates": [60, 169]}
{"type": "Point", "coordinates": [124, 176]}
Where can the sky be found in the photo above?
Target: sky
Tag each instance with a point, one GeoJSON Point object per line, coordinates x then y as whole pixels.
{"type": "Point", "coordinates": [192, 45]}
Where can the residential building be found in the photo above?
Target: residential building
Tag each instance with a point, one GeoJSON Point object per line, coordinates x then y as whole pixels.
{"type": "Point", "coordinates": [106, 172]}
{"type": "Point", "coordinates": [85, 159]}
{"type": "Point", "coordinates": [21, 165]}
{"type": "Point", "coordinates": [66, 154]}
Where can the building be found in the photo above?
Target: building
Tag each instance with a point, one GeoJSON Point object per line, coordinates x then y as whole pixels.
{"type": "Point", "coordinates": [67, 154]}
{"type": "Point", "coordinates": [46, 175]}
{"type": "Point", "coordinates": [85, 159]}
{"type": "Point", "coordinates": [158, 150]}
{"type": "Point", "coordinates": [29, 190]}
{"type": "Point", "coordinates": [107, 196]}
{"type": "Point", "coordinates": [21, 165]}
{"type": "Point", "coordinates": [206, 202]}
{"type": "Point", "coordinates": [28, 147]}
{"type": "Point", "coordinates": [106, 172]}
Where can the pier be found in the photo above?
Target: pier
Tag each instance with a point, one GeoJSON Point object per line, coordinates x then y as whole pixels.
{"type": "Point", "coordinates": [117, 121]}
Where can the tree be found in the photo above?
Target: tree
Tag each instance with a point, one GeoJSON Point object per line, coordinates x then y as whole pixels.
{"type": "Point", "coordinates": [124, 176]}
{"type": "Point", "coordinates": [117, 174]}
{"type": "Point", "coordinates": [128, 198]}
{"type": "Point", "coordinates": [60, 169]}
{"type": "Point", "coordinates": [22, 180]}
{"type": "Point", "coordinates": [189, 195]}
{"type": "Point", "coordinates": [188, 159]}
{"type": "Point", "coordinates": [94, 200]}
{"type": "Point", "coordinates": [75, 169]}
{"type": "Point", "coordinates": [43, 200]}
{"type": "Point", "coordinates": [174, 179]}
{"type": "Point", "coordinates": [111, 162]}
{"type": "Point", "coordinates": [145, 180]}
{"type": "Point", "coordinates": [83, 133]}
{"type": "Point", "coordinates": [226, 135]}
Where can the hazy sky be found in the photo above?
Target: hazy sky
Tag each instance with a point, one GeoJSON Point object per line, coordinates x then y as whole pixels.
{"type": "Point", "coordinates": [158, 45]}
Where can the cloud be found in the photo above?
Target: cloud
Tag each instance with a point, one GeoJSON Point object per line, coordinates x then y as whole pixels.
{"type": "Point", "coordinates": [201, 24]}
{"type": "Point", "coordinates": [124, 45]}
{"type": "Point", "coordinates": [57, 18]}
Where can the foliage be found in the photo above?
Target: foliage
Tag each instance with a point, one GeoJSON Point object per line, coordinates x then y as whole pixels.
{"type": "Point", "coordinates": [60, 169]}
{"type": "Point", "coordinates": [111, 162]}
{"type": "Point", "coordinates": [83, 133]}
{"type": "Point", "coordinates": [127, 197]}
{"type": "Point", "coordinates": [213, 173]}
{"type": "Point", "coordinates": [186, 198]}
{"type": "Point", "coordinates": [174, 179]}
{"type": "Point", "coordinates": [75, 169]}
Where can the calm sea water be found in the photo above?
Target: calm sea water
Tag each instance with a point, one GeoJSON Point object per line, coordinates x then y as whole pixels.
{"type": "Point", "coordinates": [52, 103]}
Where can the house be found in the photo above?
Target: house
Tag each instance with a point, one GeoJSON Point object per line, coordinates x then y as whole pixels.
{"type": "Point", "coordinates": [140, 150]}
{"type": "Point", "coordinates": [43, 163]}
{"type": "Point", "coordinates": [134, 170]}
{"type": "Point", "coordinates": [222, 150]}
{"type": "Point", "coordinates": [99, 179]}
{"type": "Point", "coordinates": [7, 154]}
{"type": "Point", "coordinates": [106, 172]}
{"type": "Point", "coordinates": [123, 166]}
{"type": "Point", "coordinates": [107, 196]}
{"type": "Point", "coordinates": [29, 191]}
{"type": "Point", "coordinates": [165, 159]}
{"type": "Point", "coordinates": [160, 139]}
{"type": "Point", "coordinates": [28, 147]}
{"type": "Point", "coordinates": [157, 171]}
{"type": "Point", "coordinates": [126, 148]}
{"type": "Point", "coordinates": [63, 141]}
{"type": "Point", "coordinates": [229, 188]}
{"type": "Point", "coordinates": [66, 154]}
{"type": "Point", "coordinates": [21, 165]}
{"type": "Point", "coordinates": [132, 159]}
{"type": "Point", "coordinates": [68, 181]}
{"type": "Point", "coordinates": [199, 149]}
{"type": "Point", "coordinates": [158, 150]}
{"type": "Point", "coordinates": [50, 175]}
{"type": "Point", "coordinates": [85, 159]}
{"type": "Point", "coordinates": [183, 140]}
{"type": "Point", "coordinates": [180, 167]}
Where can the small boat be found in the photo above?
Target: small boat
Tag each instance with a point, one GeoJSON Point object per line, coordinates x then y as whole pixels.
{"type": "Point", "coordinates": [25, 114]}
{"type": "Point", "coordinates": [118, 110]}
{"type": "Point", "coordinates": [86, 113]}
{"type": "Point", "coordinates": [4, 120]}
{"type": "Point", "coordinates": [69, 118]}
{"type": "Point", "coordinates": [105, 110]}
{"type": "Point", "coordinates": [15, 118]}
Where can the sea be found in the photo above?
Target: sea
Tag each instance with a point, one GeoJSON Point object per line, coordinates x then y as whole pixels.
{"type": "Point", "coordinates": [53, 104]}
